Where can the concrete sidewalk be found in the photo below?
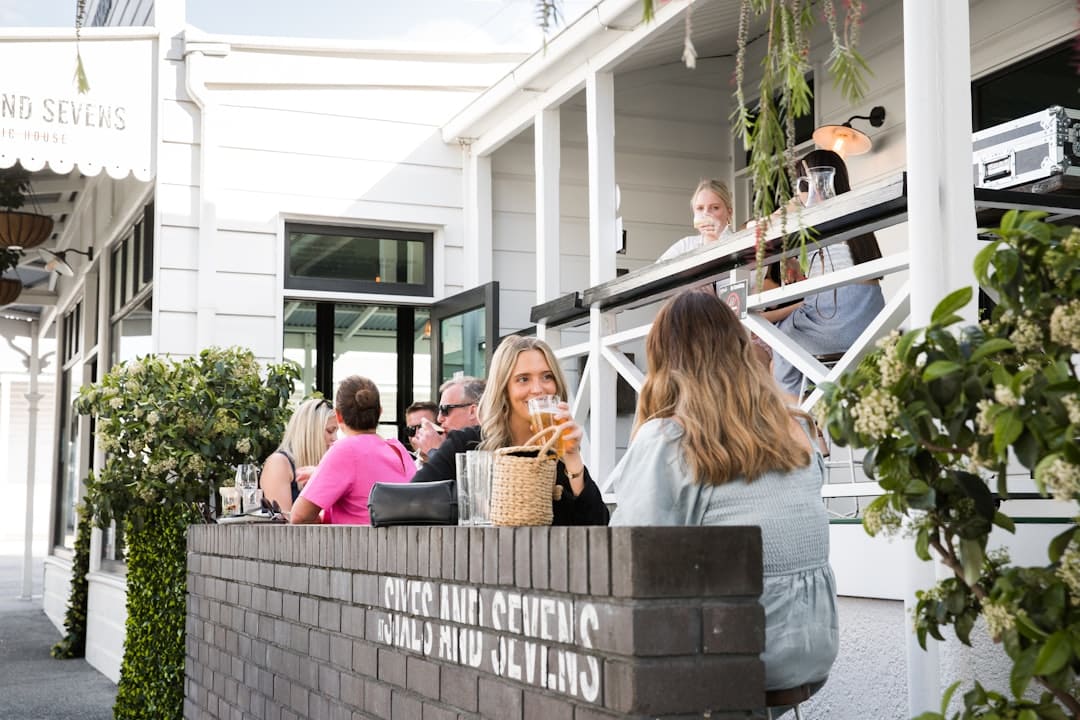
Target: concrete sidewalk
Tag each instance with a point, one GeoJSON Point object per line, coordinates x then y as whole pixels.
{"type": "Point", "coordinates": [33, 685]}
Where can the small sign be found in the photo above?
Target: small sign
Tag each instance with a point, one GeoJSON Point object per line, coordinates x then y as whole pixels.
{"type": "Point", "coordinates": [734, 294]}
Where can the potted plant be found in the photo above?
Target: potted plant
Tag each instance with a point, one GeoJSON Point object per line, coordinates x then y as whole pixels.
{"type": "Point", "coordinates": [19, 229]}
{"type": "Point", "coordinates": [9, 287]}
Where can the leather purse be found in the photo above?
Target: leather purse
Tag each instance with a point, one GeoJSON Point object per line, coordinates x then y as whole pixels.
{"type": "Point", "coordinates": [421, 503]}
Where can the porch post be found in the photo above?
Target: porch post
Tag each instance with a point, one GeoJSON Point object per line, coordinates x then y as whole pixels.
{"type": "Point", "coordinates": [477, 217]}
{"type": "Point", "coordinates": [600, 131]}
{"type": "Point", "coordinates": [33, 364]}
{"type": "Point", "coordinates": [547, 151]}
{"type": "Point", "coordinates": [941, 225]}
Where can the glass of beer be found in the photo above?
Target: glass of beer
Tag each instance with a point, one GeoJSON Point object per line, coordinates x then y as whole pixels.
{"type": "Point", "coordinates": [542, 412]}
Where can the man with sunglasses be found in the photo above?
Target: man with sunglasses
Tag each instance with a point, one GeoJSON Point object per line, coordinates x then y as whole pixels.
{"type": "Point", "coordinates": [458, 400]}
{"type": "Point", "coordinates": [415, 415]}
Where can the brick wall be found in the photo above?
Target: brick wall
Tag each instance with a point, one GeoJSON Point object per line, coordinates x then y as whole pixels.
{"type": "Point", "coordinates": [445, 623]}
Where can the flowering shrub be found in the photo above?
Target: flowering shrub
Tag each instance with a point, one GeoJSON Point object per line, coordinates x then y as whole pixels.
{"type": "Point", "coordinates": [939, 409]}
{"type": "Point", "coordinates": [173, 431]}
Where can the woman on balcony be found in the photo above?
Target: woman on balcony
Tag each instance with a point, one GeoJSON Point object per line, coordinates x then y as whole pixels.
{"type": "Point", "coordinates": [715, 443]}
{"type": "Point", "coordinates": [523, 368]}
{"type": "Point", "coordinates": [829, 322]}
{"type": "Point", "coordinates": [340, 486]}
{"type": "Point", "coordinates": [711, 205]}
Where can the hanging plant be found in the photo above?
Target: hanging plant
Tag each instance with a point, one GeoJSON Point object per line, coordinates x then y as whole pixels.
{"type": "Point", "coordinates": [19, 229]}
{"type": "Point", "coordinates": [9, 287]}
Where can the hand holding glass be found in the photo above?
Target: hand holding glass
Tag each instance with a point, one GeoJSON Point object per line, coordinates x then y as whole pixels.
{"type": "Point", "coordinates": [706, 223]}
{"type": "Point", "coordinates": [545, 411]}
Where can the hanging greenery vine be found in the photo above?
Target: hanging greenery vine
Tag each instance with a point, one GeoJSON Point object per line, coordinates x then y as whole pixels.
{"type": "Point", "coordinates": [80, 72]}
{"type": "Point", "coordinates": [73, 644]}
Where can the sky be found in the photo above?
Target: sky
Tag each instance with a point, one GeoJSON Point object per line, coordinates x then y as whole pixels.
{"type": "Point", "coordinates": [437, 24]}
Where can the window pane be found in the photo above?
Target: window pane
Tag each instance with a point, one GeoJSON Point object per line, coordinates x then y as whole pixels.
{"type": "Point", "coordinates": [422, 356]}
{"type": "Point", "coordinates": [463, 344]}
{"type": "Point", "coordinates": [68, 460]}
{"type": "Point", "coordinates": [131, 335]}
{"type": "Point", "coordinates": [359, 260]}
{"type": "Point", "coordinates": [299, 344]}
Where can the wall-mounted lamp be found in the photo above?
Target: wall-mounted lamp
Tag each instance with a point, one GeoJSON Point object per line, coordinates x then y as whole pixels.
{"type": "Point", "coordinates": [846, 140]}
{"type": "Point", "coordinates": [57, 260]}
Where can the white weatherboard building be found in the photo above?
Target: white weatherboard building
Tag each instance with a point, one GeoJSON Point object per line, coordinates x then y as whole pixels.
{"type": "Point", "coordinates": [395, 213]}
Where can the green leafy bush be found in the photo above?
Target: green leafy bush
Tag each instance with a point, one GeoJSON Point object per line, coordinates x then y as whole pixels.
{"type": "Point", "coordinates": [173, 431]}
{"type": "Point", "coordinates": [73, 644]}
{"type": "Point", "coordinates": [939, 409]}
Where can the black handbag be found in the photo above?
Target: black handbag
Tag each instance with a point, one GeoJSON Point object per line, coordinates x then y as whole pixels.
{"type": "Point", "coordinates": [421, 503]}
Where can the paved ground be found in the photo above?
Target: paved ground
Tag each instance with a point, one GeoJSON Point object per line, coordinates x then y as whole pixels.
{"type": "Point", "coordinates": [33, 685]}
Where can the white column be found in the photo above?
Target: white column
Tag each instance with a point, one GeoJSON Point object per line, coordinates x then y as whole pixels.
{"type": "Point", "coordinates": [547, 151]}
{"type": "Point", "coordinates": [600, 131]}
{"type": "Point", "coordinates": [600, 122]}
{"type": "Point", "coordinates": [941, 225]}
{"type": "Point", "coordinates": [32, 398]}
{"type": "Point", "coordinates": [478, 246]}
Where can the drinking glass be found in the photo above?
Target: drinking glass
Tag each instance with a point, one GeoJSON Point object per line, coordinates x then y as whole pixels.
{"type": "Point", "coordinates": [704, 221]}
{"type": "Point", "coordinates": [479, 465]}
{"type": "Point", "coordinates": [819, 181]}
{"type": "Point", "coordinates": [230, 501]}
{"type": "Point", "coordinates": [461, 462]}
{"type": "Point", "coordinates": [247, 476]}
{"type": "Point", "coordinates": [542, 412]}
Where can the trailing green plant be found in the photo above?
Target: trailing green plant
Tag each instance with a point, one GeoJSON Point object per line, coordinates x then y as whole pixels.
{"type": "Point", "coordinates": [939, 410]}
{"type": "Point", "coordinates": [73, 644]}
{"type": "Point", "coordinates": [9, 258]}
{"type": "Point", "coordinates": [173, 431]}
{"type": "Point", "coordinates": [152, 671]}
{"type": "Point", "coordinates": [14, 185]}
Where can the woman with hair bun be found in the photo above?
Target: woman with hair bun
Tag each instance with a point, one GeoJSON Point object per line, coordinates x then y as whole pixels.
{"type": "Point", "coordinates": [340, 486]}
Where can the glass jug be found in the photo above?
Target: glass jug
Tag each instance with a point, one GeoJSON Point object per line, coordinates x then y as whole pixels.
{"type": "Point", "coordinates": [819, 184]}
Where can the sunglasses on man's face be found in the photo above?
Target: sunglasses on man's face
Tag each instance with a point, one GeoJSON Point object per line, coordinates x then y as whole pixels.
{"type": "Point", "coordinates": [447, 409]}
{"type": "Point", "coordinates": [410, 430]}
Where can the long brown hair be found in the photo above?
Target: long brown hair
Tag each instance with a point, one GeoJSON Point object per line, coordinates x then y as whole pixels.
{"type": "Point", "coordinates": [494, 410]}
{"type": "Point", "coordinates": [864, 248]}
{"type": "Point", "coordinates": [702, 373]}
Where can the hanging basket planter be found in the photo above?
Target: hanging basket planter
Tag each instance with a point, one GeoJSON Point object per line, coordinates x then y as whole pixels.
{"type": "Point", "coordinates": [9, 290]}
{"type": "Point", "coordinates": [24, 230]}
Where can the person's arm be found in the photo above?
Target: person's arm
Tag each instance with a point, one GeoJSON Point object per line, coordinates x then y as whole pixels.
{"type": "Point", "coordinates": [304, 512]}
{"type": "Point", "coordinates": [585, 507]}
{"type": "Point", "coordinates": [276, 481]}
{"type": "Point", "coordinates": [440, 464]}
{"type": "Point", "coordinates": [777, 314]}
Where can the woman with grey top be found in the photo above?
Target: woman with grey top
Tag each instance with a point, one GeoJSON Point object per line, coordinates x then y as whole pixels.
{"type": "Point", "coordinates": [715, 443]}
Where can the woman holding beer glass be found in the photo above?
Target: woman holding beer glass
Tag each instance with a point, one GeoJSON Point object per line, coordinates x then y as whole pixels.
{"type": "Point", "coordinates": [711, 205]}
{"type": "Point", "coordinates": [524, 369]}
{"type": "Point", "coordinates": [716, 443]}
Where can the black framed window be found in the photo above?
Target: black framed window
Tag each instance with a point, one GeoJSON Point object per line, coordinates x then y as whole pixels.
{"type": "Point", "coordinates": [67, 460]}
{"type": "Point", "coordinates": [359, 259]}
{"type": "Point", "coordinates": [1026, 87]}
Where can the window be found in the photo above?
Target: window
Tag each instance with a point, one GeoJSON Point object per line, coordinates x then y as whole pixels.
{"type": "Point", "coordinates": [361, 260]}
{"type": "Point", "coordinates": [1025, 87]}
{"type": "Point", "coordinates": [68, 461]}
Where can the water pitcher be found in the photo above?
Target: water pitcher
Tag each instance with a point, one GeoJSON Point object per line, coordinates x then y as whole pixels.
{"type": "Point", "coordinates": [819, 185]}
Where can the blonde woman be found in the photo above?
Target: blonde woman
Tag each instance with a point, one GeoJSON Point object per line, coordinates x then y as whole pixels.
{"type": "Point", "coordinates": [309, 433]}
{"type": "Point", "coordinates": [523, 368]}
{"type": "Point", "coordinates": [715, 444]}
{"type": "Point", "coordinates": [711, 206]}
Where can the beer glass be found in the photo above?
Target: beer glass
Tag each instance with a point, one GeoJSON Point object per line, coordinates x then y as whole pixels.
{"type": "Point", "coordinates": [461, 484]}
{"type": "Point", "coordinates": [542, 411]}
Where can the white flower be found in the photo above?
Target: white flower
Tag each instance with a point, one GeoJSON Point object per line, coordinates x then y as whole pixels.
{"type": "Point", "coordinates": [998, 619]}
{"type": "Point", "coordinates": [875, 413]}
{"type": "Point", "coordinates": [152, 417]}
{"type": "Point", "coordinates": [243, 445]}
{"type": "Point", "coordinates": [890, 366]}
{"type": "Point", "coordinates": [1072, 406]}
{"type": "Point", "coordinates": [1069, 571]}
{"type": "Point", "coordinates": [1027, 336]}
{"type": "Point", "coordinates": [116, 403]}
{"type": "Point", "coordinates": [1062, 479]}
{"type": "Point", "coordinates": [1065, 325]}
{"type": "Point", "coordinates": [1005, 396]}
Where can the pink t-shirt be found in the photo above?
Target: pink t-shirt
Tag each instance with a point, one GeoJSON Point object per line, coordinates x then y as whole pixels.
{"type": "Point", "coordinates": [346, 474]}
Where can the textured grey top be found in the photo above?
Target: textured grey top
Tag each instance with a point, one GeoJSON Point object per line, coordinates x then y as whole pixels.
{"type": "Point", "coordinates": [654, 486]}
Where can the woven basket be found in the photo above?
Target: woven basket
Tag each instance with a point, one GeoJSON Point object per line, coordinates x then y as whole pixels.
{"type": "Point", "coordinates": [523, 482]}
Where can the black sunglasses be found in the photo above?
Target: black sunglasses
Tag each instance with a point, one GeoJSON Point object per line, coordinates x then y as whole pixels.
{"type": "Point", "coordinates": [410, 430]}
{"type": "Point", "coordinates": [445, 409]}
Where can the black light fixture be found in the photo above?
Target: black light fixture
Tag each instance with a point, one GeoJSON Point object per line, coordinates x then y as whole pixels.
{"type": "Point", "coordinates": [57, 259]}
{"type": "Point", "coordinates": [846, 140]}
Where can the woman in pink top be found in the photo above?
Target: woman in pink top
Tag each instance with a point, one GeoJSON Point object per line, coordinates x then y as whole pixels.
{"type": "Point", "coordinates": [340, 486]}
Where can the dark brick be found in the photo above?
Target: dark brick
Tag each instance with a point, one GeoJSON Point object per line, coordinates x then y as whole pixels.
{"type": "Point", "coordinates": [329, 681]}
{"type": "Point", "coordinates": [329, 615]}
{"type": "Point", "coordinates": [372, 550]}
{"type": "Point", "coordinates": [404, 706]}
{"type": "Point", "coordinates": [476, 555]}
{"type": "Point", "coordinates": [412, 548]}
{"type": "Point", "coordinates": [365, 659]}
{"type": "Point", "coordinates": [422, 676]}
{"type": "Point", "coordinates": [341, 585]}
{"type": "Point", "coordinates": [599, 560]}
{"type": "Point", "coordinates": [491, 556]}
{"type": "Point", "coordinates": [545, 707]}
{"type": "Point", "coordinates": [522, 557]}
{"type": "Point", "coordinates": [319, 645]}
{"type": "Point", "coordinates": [352, 620]}
{"type": "Point", "coordinates": [680, 562]}
{"type": "Point", "coordinates": [309, 610]}
{"type": "Point", "coordinates": [540, 564]}
{"type": "Point", "coordinates": [435, 541]}
{"type": "Point", "coordinates": [319, 580]}
{"type": "Point", "coordinates": [341, 651]}
{"type": "Point", "coordinates": [578, 557]}
{"type": "Point", "coordinates": [645, 630]}
{"type": "Point", "coordinates": [461, 555]}
{"type": "Point", "coordinates": [377, 699]}
{"type": "Point", "coordinates": [459, 687]}
{"type": "Point", "coordinates": [382, 534]}
{"type": "Point", "coordinates": [366, 589]}
{"type": "Point", "coordinates": [499, 700]}
{"type": "Point", "coordinates": [434, 712]}
{"type": "Point", "coordinates": [449, 544]}
{"type": "Point", "coordinates": [423, 554]}
{"type": "Point", "coordinates": [392, 667]}
{"type": "Point", "coordinates": [733, 628]}
{"type": "Point", "coordinates": [352, 690]}
{"type": "Point", "coordinates": [704, 682]}
{"type": "Point", "coordinates": [290, 606]}
{"type": "Point", "coordinates": [505, 540]}
{"type": "Point", "coordinates": [558, 570]}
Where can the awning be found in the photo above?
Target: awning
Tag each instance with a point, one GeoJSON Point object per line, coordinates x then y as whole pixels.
{"type": "Point", "coordinates": [45, 120]}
